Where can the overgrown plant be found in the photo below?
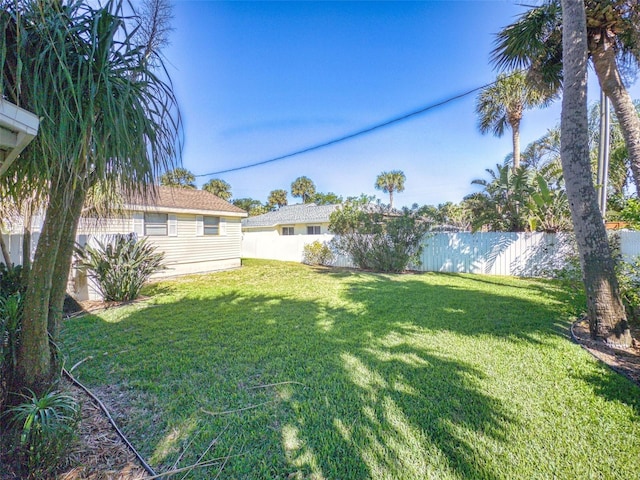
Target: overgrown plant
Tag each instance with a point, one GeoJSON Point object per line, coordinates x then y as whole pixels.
{"type": "Point", "coordinates": [11, 306]}
{"type": "Point", "coordinates": [377, 237]}
{"type": "Point", "coordinates": [629, 280]}
{"type": "Point", "coordinates": [631, 213]}
{"type": "Point", "coordinates": [11, 279]}
{"type": "Point", "coordinates": [44, 428]}
{"type": "Point", "coordinates": [120, 268]}
{"type": "Point", "coordinates": [317, 253]}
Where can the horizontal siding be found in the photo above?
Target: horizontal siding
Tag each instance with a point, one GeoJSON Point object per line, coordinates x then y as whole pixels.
{"type": "Point", "coordinates": [105, 226]}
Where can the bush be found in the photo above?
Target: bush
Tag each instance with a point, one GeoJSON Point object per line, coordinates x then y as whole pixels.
{"type": "Point", "coordinates": [317, 253]}
{"type": "Point", "coordinates": [631, 213]}
{"type": "Point", "coordinates": [11, 280]}
{"type": "Point", "coordinates": [120, 268]}
{"type": "Point", "coordinates": [628, 274]}
{"type": "Point", "coordinates": [44, 427]}
{"type": "Point", "coordinates": [10, 325]}
{"type": "Point", "coordinates": [377, 237]}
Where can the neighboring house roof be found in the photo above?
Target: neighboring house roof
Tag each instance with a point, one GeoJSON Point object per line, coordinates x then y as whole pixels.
{"type": "Point", "coordinates": [187, 200]}
{"type": "Point", "coordinates": [291, 214]}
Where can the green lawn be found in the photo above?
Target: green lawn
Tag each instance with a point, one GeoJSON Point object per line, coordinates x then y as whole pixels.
{"type": "Point", "coordinates": [348, 375]}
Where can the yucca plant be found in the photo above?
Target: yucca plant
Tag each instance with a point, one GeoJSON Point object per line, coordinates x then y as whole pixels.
{"type": "Point", "coordinates": [44, 428]}
{"type": "Point", "coordinates": [120, 268]}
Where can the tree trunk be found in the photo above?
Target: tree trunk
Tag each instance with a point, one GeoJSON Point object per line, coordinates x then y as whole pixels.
{"type": "Point", "coordinates": [63, 261]}
{"type": "Point", "coordinates": [27, 216]}
{"type": "Point", "coordinates": [5, 252]}
{"type": "Point", "coordinates": [390, 199]}
{"type": "Point", "coordinates": [34, 355]}
{"type": "Point", "coordinates": [606, 67]}
{"type": "Point", "coordinates": [515, 139]}
{"type": "Point", "coordinates": [607, 319]}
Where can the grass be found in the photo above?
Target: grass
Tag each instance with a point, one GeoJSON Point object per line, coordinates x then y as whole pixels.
{"type": "Point", "coordinates": [349, 375]}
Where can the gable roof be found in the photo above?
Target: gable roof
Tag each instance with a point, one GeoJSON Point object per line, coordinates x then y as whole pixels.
{"type": "Point", "coordinates": [186, 200]}
{"type": "Point", "coordinates": [291, 214]}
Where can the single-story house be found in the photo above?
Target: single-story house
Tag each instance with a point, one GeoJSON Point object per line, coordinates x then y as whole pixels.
{"type": "Point", "coordinates": [299, 219]}
{"type": "Point", "coordinates": [282, 234]}
{"type": "Point", "coordinates": [197, 231]}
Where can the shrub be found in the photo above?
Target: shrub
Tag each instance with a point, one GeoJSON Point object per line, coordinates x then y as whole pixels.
{"type": "Point", "coordinates": [11, 280]}
{"type": "Point", "coordinates": [631, 213]}
{"type": "Point", "coordinates": [44, 428]}
{"type": "Point", "coordinates": [628, 274]}
{"type": "Point", "coordinates": [317, 253]}
{"type": "Point", "coordinates": [377, 237]}
{"type": "Point", "coordinates": [10, 324]}
{"type": "Point", "coordinates": [120, 268]}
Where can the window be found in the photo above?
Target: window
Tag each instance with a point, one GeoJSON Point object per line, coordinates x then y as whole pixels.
{"type": "Point", "coordinates": [313, 230]}
{"type": "Point", "coordinates": [155, 224]}
{"type": "Point", "coordinates": [287, 230]}
{"type": "Point", "coordinates": [211, 225]}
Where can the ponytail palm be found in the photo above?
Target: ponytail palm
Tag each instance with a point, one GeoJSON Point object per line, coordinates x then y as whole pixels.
{"type": "Point", "coordinates": [106, 117]}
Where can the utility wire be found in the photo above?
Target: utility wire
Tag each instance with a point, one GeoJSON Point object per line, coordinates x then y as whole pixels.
{"type": "Point", "coordinates": [350, 136]}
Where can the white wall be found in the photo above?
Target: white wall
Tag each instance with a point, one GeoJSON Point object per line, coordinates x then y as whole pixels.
{"type": "Point", "coordinates": [271, 245]}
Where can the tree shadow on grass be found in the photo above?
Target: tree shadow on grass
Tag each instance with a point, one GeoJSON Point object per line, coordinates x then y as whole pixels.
{"type": "Point", "coordinates": [336, 390]}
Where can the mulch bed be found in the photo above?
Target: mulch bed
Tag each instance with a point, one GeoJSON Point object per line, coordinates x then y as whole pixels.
{"type": "Point", "coordinates": [100, 453]}
{"type": "Point", "coordinates": [623, 361]}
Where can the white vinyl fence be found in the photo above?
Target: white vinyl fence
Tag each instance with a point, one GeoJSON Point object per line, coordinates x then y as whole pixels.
{"type": "Point", "coordinates": [491, 253]}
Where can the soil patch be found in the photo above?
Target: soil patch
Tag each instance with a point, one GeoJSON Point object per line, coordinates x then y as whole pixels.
{"type": "Point", "coordinates": [623, 361]}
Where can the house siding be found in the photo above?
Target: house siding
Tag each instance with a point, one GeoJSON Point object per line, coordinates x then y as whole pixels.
{"type": "Point", "coordinates": [185, 253]}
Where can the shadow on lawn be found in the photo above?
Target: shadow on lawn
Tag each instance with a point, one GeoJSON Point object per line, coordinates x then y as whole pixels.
{"type": "Point", "coordinates": [368, 400]}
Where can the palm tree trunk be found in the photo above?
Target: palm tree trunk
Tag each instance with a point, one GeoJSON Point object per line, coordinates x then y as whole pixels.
{"type": "Point", "coordinates": [63, 261]}
{"type": "Point", "coordinates": [515, 138]}
{"type": "Point", "coordinates": [607, 319]}
{"type": "Point", "coordinates": [390, 198]}
{"type": "Point", "coordinates": [606, 67]}
{"type": "Point", "coordinates": [34, 355]}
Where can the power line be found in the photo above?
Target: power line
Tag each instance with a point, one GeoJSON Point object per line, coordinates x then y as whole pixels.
{"type": "Point", "coordinates": [350, 136]}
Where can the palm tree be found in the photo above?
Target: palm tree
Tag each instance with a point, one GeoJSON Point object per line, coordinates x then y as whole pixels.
{"type": "Point", "coordinates": [218, 187]}
{"type": "Point", "coordinates": [105, 117]}
{"type": "Point", "coordinates": [534, 43]}
{"type": "Point", "coordinates": [390, 182]}
{"type": "Point", "coordinates": [502, 205]}
{"type": "Point", "coordinates": [179, 178]}
{"type": "Point", "coordinates": [607, 318]}
{"type": "Point", "coordinates": [277, 198]}
{"type": "Point", "coordinates": [502, 104]}
{"type": "Point", "coordinates": [304, 188]}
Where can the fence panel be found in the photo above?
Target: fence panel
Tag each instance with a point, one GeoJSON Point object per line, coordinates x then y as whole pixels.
{"type": "Point", "coordinates": [492, 253]}
{"type": "Point", "coordinates": [495, 253]}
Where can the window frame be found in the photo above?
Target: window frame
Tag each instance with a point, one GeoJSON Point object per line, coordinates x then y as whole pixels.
{"type": "Point", "coordinates": [155, 224]}
{"type": "Point", "coordinates": [208, 230]}
{"type": "Point", "coordinates": [289, 231]}
{"type": "Point", "coordinates": [313, 229]}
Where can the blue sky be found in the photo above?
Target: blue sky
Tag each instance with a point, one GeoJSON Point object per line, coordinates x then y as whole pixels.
{"type": "Point", "coordinates": [256, 80]}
